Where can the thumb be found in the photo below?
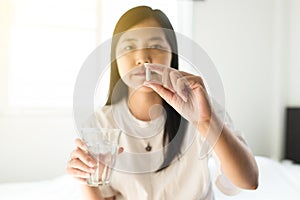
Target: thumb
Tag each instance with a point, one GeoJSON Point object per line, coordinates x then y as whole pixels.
{"type": "Point", "coordinates": [166, 94]}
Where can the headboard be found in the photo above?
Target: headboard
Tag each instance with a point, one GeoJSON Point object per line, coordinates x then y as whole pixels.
{"type": "Point", "coordinates": [292, 134]}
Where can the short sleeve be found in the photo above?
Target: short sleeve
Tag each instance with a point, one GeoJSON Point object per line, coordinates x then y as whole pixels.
{"type": "Point", "coordinates": [220, 179]}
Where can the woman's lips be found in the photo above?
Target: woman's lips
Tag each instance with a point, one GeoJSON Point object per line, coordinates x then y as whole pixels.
{"type": "Point", "coordinates": [142, 73]}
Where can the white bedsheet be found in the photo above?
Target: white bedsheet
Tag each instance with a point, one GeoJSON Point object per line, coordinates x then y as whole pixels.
{"type": "Point", "coordinates": [60, 188]}
{"type": "Point", "coordinates": [277, 182]}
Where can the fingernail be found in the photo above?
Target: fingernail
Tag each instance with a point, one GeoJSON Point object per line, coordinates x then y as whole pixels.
{"type": "Point", "coordinates": [147, 65]}
{"type": "Point", "coordinates": [91, 164]}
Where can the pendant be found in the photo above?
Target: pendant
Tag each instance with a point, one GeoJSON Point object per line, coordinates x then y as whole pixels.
{"type": "Point", "coordinates": [148, 147]}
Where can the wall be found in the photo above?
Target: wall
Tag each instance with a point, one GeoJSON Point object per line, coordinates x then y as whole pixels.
{"type": "Point", "coordinates": [254, 46]}
{"type": "Point", "coordinates": [294, 55]}
{"type": "Point", "coordinates": [35, 147]}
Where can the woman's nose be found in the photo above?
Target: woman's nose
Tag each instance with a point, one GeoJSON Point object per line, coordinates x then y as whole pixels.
{"type": "Point", "coordinates": [142, 57]}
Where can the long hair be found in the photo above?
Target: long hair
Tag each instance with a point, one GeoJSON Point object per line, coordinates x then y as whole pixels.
{"type": "Point", "coordinates": [174, 124]}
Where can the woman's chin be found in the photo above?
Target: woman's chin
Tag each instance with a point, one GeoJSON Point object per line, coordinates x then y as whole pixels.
{"type": "Point", "coordinates": [144, 89]}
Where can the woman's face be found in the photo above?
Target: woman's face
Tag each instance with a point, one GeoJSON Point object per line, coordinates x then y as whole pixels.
{"type": "Point", "coordinates": [138, 46]}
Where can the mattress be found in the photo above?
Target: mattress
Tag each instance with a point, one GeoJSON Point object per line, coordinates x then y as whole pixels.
{"type": "Point", "coordinates": [276, 181]}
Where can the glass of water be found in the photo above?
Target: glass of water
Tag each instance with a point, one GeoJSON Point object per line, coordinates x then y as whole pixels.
{"type": "Point", "coordinates": [102, 144]}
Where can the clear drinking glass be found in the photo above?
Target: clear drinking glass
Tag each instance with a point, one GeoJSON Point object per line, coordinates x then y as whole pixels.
{"type": "Point", "coordinates": [102, 144]}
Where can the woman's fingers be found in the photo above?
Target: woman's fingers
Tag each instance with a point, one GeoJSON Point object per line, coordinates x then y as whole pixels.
{"type": "Point", "coordinates": [78, 164]}
{"type": "Point", "coordinates": [166, 94]}
{"type": "Point", "coordinates": [165, 71]}
{"type": "Point", "coordinates": [157, 68]}
{"type": "Point", "coordinates": [82, 165]}
{"type": "Point", "coordinates": [76, 172]}
{"type": "Point", "coordinates": [80, 154]}
{"type": "Point", "coordinates": [162, 71]}
{"type": "Point", "coordinates": [180, 84]}
{"type": "Point", "coordinates": [79, 143]}
{"type": "Point", "coordinates": [81, 180]}
{"type": "Point", "coordinates": [172, 79]}
{"type": "Point", "coordinates": [166, 80]}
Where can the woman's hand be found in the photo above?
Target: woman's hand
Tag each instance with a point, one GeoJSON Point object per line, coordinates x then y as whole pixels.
{"type": "Point", "coordinates": [82, 165]}
{"type": "Point", "coordinates": [185, 92]}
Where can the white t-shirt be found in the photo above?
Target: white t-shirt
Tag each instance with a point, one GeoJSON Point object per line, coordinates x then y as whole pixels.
{"type": "Point", "coordinates": [135, 176]}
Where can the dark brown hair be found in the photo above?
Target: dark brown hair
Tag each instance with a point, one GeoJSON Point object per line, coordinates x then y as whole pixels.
{"type": "Point", "coordinates": [175, 125]}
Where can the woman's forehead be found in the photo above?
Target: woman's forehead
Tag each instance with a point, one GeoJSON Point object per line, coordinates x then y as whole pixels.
{"type": "Point", "coordinates": [143, 34]}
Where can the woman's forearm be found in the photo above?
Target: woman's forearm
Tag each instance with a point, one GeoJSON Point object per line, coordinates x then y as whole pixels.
{"type": "Point", "coordinates": [236, 159]}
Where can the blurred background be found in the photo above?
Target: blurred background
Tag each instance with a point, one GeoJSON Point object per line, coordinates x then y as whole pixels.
{"type": "Point", "coordinates": [254, 44]}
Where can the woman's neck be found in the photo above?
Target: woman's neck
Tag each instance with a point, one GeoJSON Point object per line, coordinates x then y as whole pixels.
{"type": "Point", "coordinates": [141, 104]}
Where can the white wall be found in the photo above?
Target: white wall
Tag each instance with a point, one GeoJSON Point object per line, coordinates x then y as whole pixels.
{"type": "Point", "coordinates": [249, 43]}
{"type": "Point", "coordinates": [255, 46]}
{"type": "Point", "coordinates": [35, 147]}
{"type": "Point", "coordinates": [293, 86]}
{"type": "Point", "coordinates": [236, 35]}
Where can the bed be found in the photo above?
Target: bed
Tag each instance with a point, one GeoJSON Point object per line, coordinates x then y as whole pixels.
{"type": "Point", "coordinates": [277, 181]}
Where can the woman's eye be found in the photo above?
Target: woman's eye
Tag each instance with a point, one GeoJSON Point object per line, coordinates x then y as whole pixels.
{"type": "Point", "coordinates": [129, 47]}
{"type": "Point", "coordinates": [156, 46]}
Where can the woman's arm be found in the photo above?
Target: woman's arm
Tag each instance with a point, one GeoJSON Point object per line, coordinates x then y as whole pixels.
{"type": "Point", "coordinates": [187, 94]}
{"type": "Point", "coordinates": [237, 161]}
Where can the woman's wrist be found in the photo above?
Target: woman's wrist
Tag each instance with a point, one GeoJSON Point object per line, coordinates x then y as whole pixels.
{"type": "Point", "coordinates": [212, 125]}
{"type": "Point", "coordinates": [92, 193]}
{"type": "Point", "coordinates": [203, 127]}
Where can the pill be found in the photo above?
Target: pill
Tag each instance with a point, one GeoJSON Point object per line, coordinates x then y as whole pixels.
{"type": "Point", "coordinates": [148, 74]}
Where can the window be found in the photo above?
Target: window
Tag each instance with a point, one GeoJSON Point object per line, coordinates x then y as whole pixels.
{"type": "Point", "coordinates": [50, 41]}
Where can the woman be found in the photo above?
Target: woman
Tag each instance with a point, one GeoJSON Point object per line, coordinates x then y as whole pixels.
{"type": "Point", "coordinates": [184, 99]}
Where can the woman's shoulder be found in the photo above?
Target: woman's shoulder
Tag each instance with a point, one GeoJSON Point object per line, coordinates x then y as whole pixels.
{"type": "Point", "coordinates": [102, 117]}
{"type": "Point", "coordinates": [103, 110]}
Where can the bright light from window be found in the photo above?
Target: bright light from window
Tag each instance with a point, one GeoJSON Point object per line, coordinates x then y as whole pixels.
{"type": "Point", "coordinates": [51, 40]}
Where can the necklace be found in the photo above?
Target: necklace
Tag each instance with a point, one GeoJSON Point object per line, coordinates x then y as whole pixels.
{"type": "Point", "coordinates": [148, 147]}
